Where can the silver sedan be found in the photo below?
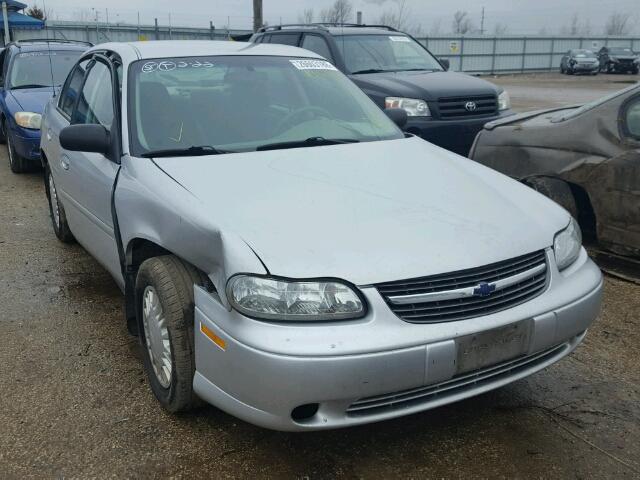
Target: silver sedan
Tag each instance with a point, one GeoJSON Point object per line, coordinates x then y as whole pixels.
{"type": "Point", "coordinates": [287, 254]}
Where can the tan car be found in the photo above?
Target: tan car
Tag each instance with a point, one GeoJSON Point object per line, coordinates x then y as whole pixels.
{"type": "Point", "coordinates": [585, 158]}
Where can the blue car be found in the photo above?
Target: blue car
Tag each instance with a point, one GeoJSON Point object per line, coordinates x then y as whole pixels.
{"type": "Point", "coordinates": [31, 72]}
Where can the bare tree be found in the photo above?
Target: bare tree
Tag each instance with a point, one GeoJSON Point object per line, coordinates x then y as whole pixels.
{"type": "Point", "coordinates": [436, 28]}
{"type": "Point", "coordinates": [306, 16]}
{"type": "Point", "coordinates": [36, 12]}
{"type": "Point", "coordinates": [340, 12]}
{"type": "Point", "coordinates": [617, 24]}
{"type": "Point", "coordinates": [398, 17]}
{"type": "Point", "coordinates": [461, 23]}
{"type": "Point", "coordinates": [575, 27]}
{"type": "Point", "coordinates": [500, 29]}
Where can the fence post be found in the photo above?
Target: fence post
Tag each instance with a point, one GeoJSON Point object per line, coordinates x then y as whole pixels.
{"type": "Point", "coordinates": [553, 49]}
{"type": "Point", "coordinates": [461, 52]}
{"type": "Point", "coordinates": [524, 53]}
{"type": "Point", "coordinates": [212, 30]}
{"type": "Point", "coordinates": [86, 31]}
{"type": "Point", "coordinates": [493, 55]}
{"type": "Point", "coordinates": [156, 29]}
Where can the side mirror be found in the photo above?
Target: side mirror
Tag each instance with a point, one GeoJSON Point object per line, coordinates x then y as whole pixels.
{"type": "Point", "coordinates": [445, 63]}
{"type": "Point", "coordinates": [397, 116]}
{"type": "Point", "coordinates": [85, 138]}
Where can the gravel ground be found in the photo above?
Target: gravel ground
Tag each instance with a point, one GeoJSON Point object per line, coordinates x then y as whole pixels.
{"type": "Point", "coordinates": [75, 403]}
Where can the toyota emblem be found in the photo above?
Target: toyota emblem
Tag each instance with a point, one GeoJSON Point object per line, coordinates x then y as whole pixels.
{"type": "Point", "coordinates": [470, 106]}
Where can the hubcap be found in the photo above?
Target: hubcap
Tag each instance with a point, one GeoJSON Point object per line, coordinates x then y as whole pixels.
{"type": "Point", "coordinates": [157, 336]}
{"type": "Point", "coordinates": [55, 209]}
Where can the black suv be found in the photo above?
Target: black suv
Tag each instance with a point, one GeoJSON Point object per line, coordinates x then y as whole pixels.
{"type": "Point", "coordinates": [396, 71]}
{"type": "Point", "coordinates": [618, 59]}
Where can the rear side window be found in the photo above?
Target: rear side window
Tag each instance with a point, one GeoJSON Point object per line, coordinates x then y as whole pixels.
{"type": "Point", "coordinates": [317, 44]}
{"type": "Point", "coordinates": [286, 38]}
{"type": "Point", "coordinates": [71, 88]}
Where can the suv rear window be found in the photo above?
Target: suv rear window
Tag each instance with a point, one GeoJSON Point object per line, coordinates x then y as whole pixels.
{"type": "Point", "coordinates": [284, 38]}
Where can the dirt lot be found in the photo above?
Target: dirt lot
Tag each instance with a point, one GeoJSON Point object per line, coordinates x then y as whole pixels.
{"type": "Point", "coordinates": [75, 402]}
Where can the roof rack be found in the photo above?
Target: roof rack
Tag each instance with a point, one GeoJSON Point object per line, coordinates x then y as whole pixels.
{"type": "Point", "coordinates": [322, 25]}
{"type": "Point", "coordinates": [50, 40]}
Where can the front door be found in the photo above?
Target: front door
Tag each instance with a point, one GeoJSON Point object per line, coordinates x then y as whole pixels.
{"type": "Point", "coordinates": [88, 178]}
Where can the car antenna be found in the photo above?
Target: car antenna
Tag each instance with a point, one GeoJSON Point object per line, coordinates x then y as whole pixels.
{"type": "Point", "coordinates": [53, 87]}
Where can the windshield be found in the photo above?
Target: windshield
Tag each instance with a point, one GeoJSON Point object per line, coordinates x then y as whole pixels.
{"type": "Point", "coordinates": [36, 69]}
{"type": "Point", "coordinates": [620, 51]}
{"type": "Point", "coordinates": [387, 53]}
{"type": "Point", "coordinates": [244, 103]}
{"type": "Point", "coordinates": [584, 54]}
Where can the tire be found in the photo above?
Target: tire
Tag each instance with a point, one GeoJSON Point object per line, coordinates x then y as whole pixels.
{"type": "Point", "coordinates": [562, 71]}
{"type": "Point", "coordinates": [556, 190]}
{"type": "Point", "coordinates": [3, 135]}
{"type": "Point", "coordinates": [16, 162]}
{"type": "Point", "coordinates": [56, 210]}
{"type": "Point", "coordinates": [165, 310]}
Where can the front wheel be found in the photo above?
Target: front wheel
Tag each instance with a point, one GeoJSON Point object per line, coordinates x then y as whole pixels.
{"type": "Point", "coordinates": [16, 162]}
{"type": "Point", "coordinates": [56, 210]}
{"type": "Point", "coordinates": [556, 190]}
{"type": "Point", "coordinates": [165, 309]}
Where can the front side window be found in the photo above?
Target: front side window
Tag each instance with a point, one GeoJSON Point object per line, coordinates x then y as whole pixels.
{"type": "Point", "coordinates": [71, 89]}
{"type": "Point", "coordinates": [242, 103]}
{"type": "Point", "coordinates": [41, 69]}
{"type": "Point", "coordinates": [95, 105]}
{"type": "Point", "coordinates": [384, 53]}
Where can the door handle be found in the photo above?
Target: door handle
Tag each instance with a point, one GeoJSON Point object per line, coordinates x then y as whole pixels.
{"type": "Point", "coordinates": [49, 134]}
{"type": "Point", "coordinates": [64, 163]}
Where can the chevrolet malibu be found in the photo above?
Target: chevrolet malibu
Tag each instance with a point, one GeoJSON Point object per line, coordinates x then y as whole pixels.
{"type": "Point", "coordinates": [287, 254]}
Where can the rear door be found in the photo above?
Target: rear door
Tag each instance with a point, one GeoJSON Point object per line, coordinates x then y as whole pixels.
{"type": "Point", "coordinates": [88, 178]}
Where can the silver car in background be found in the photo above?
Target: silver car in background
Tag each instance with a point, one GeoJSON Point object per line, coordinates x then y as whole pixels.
{"type": "Point", "coordinates": [287, 254]}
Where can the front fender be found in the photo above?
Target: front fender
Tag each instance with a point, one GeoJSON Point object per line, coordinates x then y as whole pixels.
{"type": "Point", "coordinates": [151, 205]}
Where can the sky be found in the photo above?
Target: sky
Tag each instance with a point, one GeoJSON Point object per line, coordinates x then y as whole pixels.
{"type": "Point", "coordinates": [520, 16]}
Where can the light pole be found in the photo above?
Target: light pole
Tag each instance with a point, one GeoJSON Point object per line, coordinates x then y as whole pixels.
{"type": "Point", "coordinates": [257, 15]}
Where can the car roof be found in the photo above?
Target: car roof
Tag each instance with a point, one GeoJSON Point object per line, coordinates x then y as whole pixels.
{"type": "Point", "coordinates": [197, 48]}
{"type": "Point", "coordinates": [45, 45]}
{"type": "Point", "coordinates": [334, 29]}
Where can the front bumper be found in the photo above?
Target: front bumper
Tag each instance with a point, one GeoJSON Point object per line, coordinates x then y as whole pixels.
{"type": "Point", "coordinates": [585, 67]}
{"type": "Point", "coordinates": [26, 143]}
{"type": "Point", "coordinates": [266, 370]}
{"type": "Point", "coordinates": [456, 135]}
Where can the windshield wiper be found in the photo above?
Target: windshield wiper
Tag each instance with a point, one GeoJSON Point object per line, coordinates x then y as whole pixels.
{"type": "Point", "coordinates": [192, 151]}
{"type": "Point", "coordinates": [30, 85]}
{"type": "Point", "coordinates": [309, 142]}
{"type": "Point", "coordinates": [370, 70]}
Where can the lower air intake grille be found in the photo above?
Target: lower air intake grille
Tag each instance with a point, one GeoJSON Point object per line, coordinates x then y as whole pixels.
{"type": "Point", "coordinates": [460, 383]}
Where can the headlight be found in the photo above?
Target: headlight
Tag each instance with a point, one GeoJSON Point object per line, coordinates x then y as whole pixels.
{"type": "Point", "coordinates": [566, 245]}
{"type": "Point", "coordinates": [413, 106]}
{"type": "Point", "coordinates": [28, 119]}
{"type": "Point", "coordinates": [504, 102]}
{"type": "Point", "coordinates": [289, 300]}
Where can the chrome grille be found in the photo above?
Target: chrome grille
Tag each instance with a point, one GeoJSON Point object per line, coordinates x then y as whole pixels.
{"type": "Point", "coordinates": [454, 107]}
{"type": "Point", "coordinates": [458, 384]}
{"type": "Point", "coordinates": [467, 293]}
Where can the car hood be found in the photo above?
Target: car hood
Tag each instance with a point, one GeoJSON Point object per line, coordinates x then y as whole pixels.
{"type": "Point", "coordinates": [424, 85]}
{"type": "Point", "coordinates": [368, 212]}
{"type": "Point", "coordinates": [32, 99]}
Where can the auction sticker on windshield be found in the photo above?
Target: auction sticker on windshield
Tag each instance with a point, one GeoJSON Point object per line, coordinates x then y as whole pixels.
{"type": "Point", "coordinates": [312, 65]}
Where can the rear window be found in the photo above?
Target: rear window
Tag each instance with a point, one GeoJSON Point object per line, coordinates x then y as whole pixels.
{"type": "Point", "coordinates": [285, 38]}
